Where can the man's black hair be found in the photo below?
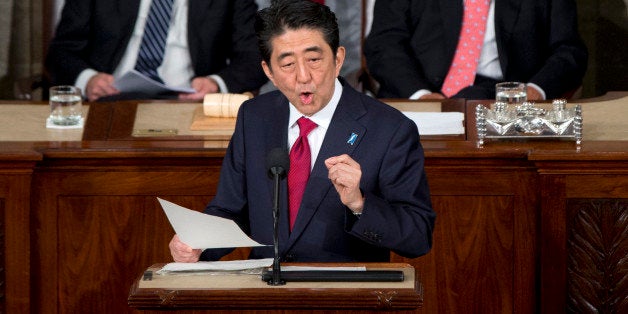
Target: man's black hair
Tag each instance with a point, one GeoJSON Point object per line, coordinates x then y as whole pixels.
{"type": "Point", "coordinates": [283, 15]}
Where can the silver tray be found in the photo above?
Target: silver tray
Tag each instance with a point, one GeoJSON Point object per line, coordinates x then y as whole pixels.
{"type": "Point", "coordinates": [529, 121]}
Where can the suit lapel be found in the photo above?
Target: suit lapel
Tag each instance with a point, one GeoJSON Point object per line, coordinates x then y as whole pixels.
{"type": "Point", "coordinates": [343, 125]}
{"type": "Point", "coordinates": [506, 15]}
{"type": "Point", "coordinates": [125, 16]}
{"type": "Point", "coordinates": [128, 10]}
{"type": "Point", "coordinates": [276, 117]}
{"type": "Point", "coordinates": [451, 12]}
{"type": "Point", "coordinates": [195, 7]}
{"type": "Point", "coordinates": [276, 136]}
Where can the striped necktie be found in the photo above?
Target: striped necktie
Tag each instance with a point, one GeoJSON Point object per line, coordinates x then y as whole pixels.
{"type": "Point", "coordinates": [153, 44]}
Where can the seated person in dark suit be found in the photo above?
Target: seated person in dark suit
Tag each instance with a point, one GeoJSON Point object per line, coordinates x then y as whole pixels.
{"type": "Point", "coordinates": [357, 192]}
{"type": "Point", "coordinates": [412, 48]}
{"type": "Point", "coordinates": [209, 46]}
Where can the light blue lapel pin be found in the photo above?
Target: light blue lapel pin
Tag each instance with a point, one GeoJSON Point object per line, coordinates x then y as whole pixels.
{"type": "Point", "coordinates": [352, 138]}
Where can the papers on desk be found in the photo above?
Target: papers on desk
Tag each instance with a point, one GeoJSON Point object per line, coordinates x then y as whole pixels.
{"type": "Point", "coordinates": [202, 231]}
{"type": "Point", "coordinates": [250, 265]}
{"type": "Point", "coordinates": [238, 265]}
{"type": "Point", "coordinates": [134, 81]}
{"type": "Point", "coordinates": [437, 123]}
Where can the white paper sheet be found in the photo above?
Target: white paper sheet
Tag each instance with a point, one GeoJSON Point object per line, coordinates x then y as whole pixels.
{"type": "Point", "coordinates": [134, 81]}
{"type": "Point", "coordinates": [217, 266]}
{"type": "Point", "coordinates": [249, 264]}
{"type": "Point", "coordinates": [202, 231]}
{"type": "Point", "coordinates": [437, 123]}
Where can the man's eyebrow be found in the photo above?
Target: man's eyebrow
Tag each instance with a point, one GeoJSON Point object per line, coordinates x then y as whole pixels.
{"type": "Point", "coordinates": [308, 49]}
{"type": "Point", "coordinates": [285, 54]}
{"type": "Point", "coordinates": [314, 49]}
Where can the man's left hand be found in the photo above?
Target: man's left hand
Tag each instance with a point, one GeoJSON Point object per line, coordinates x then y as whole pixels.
{"type": "Point", "coordinates": [345, 174]}
{"type": "Point", "coordinates": [203, 85]}
{"type": "Point", "coordinates": [533, 93]}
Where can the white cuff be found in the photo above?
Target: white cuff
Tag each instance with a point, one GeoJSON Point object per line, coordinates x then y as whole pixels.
{"type": "Point", "coordinates": [221, 84]}
{"type": "Point", "coordinates": [418, 94]}
{"type": "Point", "coordinates": [83, 79]}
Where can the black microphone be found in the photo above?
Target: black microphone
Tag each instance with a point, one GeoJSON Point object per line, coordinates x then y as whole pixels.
{"type": "Point", "coordinates": [277, 163]}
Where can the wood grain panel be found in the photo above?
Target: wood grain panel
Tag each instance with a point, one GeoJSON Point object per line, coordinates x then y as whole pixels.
{"type": "Point", "coordinates": [552, 247]}
{"type": "Point", "coordinates": [471, 266]}
{"type": "Point", "coordinates": [15, 182]}
{"type": "Point", "coordinates": [98, 227]}
{"type": "Point", "coordinates": [104, 242]}
{"type": "Point", "coordinates": [598, 186]}
{"type": "Point", "coordinates": [3, 280]}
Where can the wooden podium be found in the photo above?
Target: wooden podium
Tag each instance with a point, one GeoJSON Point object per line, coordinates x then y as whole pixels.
{"type": "Point", "coordinates": [249, 292]}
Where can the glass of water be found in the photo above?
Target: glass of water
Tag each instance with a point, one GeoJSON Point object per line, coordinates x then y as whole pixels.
{"type": "Point", "coordinates": [65, 105]}
{"type": "Point", "coordinates": [513, 93]}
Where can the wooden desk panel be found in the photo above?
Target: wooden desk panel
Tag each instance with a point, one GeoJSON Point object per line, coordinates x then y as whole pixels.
{"type": "Point", "coordinates": [506, 215]}
{"type": "Point", "coordinates": [584, 221]}
{"type": "Point", "coordinates": [484, 250]}
{"type": "Point", "coordinates": [99, 224]}
{"type": "Point", "coordinates": [16, 168]}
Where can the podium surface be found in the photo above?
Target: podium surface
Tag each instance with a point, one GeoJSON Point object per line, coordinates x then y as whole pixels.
{"type": "Point", "coordinates": [248, 291]}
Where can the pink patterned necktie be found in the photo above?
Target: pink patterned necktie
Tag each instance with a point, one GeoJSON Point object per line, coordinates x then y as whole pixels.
{"type": "Point", "coordinates": [462, 71]}
{"type": "Point", "coordinates": [300, 162]}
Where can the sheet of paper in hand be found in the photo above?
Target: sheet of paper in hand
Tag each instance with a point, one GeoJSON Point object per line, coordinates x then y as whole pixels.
{"type": "Point", "coordinates": [202, 231]}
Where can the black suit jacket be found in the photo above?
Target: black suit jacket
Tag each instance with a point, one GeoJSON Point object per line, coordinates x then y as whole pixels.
{"type": "Point", "coordinates": [397, 212]}
{"type": "Point", "coordinates": [95, 33]}
{"type": "Point", "coordinates": [412, 44]}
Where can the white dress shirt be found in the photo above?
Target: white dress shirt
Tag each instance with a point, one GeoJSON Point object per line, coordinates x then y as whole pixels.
{"type": "Point", "coordinates": [488, 65]}
{"type": "Point", "coordinates": [321, 118]}
{"type": "Point", "coordinates": [176, 69]}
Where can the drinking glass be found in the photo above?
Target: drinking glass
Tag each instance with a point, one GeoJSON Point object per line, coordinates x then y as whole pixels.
{"type": "Point", "coordinates": [513, 93]}
{"type": "Point", "coordinates": [65, 105]}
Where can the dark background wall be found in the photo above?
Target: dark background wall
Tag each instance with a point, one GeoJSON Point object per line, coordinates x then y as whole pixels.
{"type": "Point", "coordinates": [604, 27]}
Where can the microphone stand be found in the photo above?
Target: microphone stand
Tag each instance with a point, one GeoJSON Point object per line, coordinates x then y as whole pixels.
{"type": "Point", "coordinates": [276, 278]}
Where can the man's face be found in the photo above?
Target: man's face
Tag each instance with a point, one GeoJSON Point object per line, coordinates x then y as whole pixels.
{"type": "Point", "coordinates": [303, 67]}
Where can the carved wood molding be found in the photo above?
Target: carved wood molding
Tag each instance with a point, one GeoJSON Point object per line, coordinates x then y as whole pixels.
{"type": "Point", "coordinates": [597, 256]}
{"type": "Point", "coordinates": [3, 300]}
{"type": "Point", "coordinates": [167, 296]}
{"type": "Point", "coordinates": [385, 299]}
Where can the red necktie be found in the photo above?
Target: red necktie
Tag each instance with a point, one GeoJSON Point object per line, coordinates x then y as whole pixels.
{"type": "Point", "coordinates": [462, 71]}
{"type": "Point", "coordinates": [319, 1]}
{"type": "Point", "coordinates": [300, 162]}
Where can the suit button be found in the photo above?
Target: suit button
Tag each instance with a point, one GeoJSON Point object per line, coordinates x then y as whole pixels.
{"type": "Point", "coordinates": [289, 258]}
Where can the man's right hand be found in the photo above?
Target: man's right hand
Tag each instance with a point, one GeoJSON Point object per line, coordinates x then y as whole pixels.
{"type": "Point", "coordinates": [433, 96]}
{"type": "Point", "coordinates": [100, 85]}
{"type": "Point", "coordinates": [183, 253]}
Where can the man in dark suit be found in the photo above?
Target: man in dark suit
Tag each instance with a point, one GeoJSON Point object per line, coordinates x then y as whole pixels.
{"type": "Point", "coordinates": [367, 193]}
{"type": "Point", "coordinates": [210, 46]}
{"type": "Point", "coordinates": [412, 43]}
